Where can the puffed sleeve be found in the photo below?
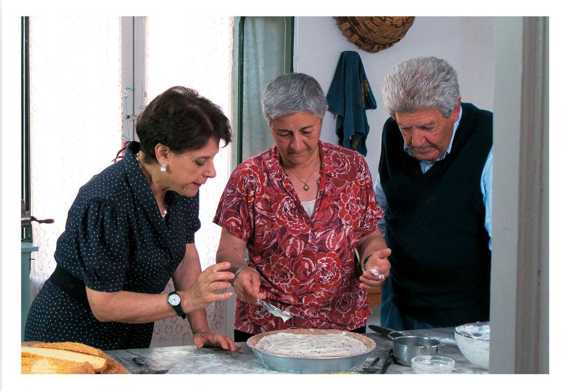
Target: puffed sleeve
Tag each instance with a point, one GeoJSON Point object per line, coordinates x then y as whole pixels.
{"type": "Point", "coordinates": [102, 245]}
{"type": "Point", "coordinates": [235, 210]}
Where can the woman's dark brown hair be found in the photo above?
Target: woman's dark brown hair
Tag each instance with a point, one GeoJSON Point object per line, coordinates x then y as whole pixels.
{"type": "Point", "coordinates": [182, 120]}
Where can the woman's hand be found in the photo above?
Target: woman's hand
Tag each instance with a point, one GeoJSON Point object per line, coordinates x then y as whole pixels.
{"type": "Point", "coordinates": [376, 269]}
{"type": "Point", "coordinates": [208, 338]}
{"type": "Point", "coordinates": [211, 285]}
{"type": "Point", "coordinates": [247, 284]}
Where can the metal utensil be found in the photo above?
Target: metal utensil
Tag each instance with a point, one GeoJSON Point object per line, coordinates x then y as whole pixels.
{"type": "Point", "coordinates": [387, 363]}
{"type": "Point", "coordinates": [409, 346]}
{"type": "Point", "coordinates": [405, 346]}
{"type": "Point", "coordinates": [275, 311]}
{"type": "Point", "coordinates": [387, 333]}
{"type": "Point", "coordinates": [372, 367]}
{"type": "Point", "coordinates": [146, 367]}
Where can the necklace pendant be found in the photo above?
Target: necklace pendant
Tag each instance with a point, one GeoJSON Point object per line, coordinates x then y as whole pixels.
{"type": "Point", "coordinates": [306, 187]}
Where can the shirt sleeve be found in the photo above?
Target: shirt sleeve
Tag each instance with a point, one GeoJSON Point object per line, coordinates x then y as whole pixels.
{"type": "Point", "coordinates": [102, 244]}
{"type": "Point", "coordinates": [373, 212]}
{"type": "Point", "coordinates": [236, 207]}
{"type": "Point", "coordinates": [381, 201]}
{"type": "Point", "coordinates": [486, 190]}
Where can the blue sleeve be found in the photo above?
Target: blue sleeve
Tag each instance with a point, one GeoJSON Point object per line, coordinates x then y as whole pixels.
{"type": "Point", "coordinates": [486, 186]}
{"type": "Point", "coordinates": [382, 201]}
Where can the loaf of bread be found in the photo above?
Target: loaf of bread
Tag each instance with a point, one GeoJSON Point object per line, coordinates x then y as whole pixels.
{"type": "Point", "coordinates": [32, 363]}
{"type": "Point", "coordinates": [66, 357]}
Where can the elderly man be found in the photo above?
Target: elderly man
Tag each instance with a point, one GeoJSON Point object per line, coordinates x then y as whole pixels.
{"type": "Point", "coordinates": [300, 209]}
{"type": "Point", "coordinates": [435, 172]}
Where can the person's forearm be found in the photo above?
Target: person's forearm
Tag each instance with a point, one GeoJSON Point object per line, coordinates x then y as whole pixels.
{"type": "Point", "coordinates": [198, 321]}
{"type": "Point", "coordinates": [129, 307]}
{"type": "Point", "coordinates": [235, 257]}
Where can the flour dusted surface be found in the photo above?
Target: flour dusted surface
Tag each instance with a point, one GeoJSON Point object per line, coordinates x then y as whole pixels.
{"type": "Point", "coordinates": [311, 345]}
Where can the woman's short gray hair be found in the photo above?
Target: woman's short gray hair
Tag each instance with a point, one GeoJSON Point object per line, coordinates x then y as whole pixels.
{"type": "Point", "coordinates": [418, 83]}
{"type": "Point", "coordinates": [293, 93]}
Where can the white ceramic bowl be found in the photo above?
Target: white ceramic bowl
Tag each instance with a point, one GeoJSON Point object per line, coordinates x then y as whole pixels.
{"type": "Point", "coordinates": [432, 364]}
{"type": "Point", "coordinates": [473, 341]}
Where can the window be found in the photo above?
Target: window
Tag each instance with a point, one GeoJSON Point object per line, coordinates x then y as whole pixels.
{"type": "Point", "coordinates": [74, 118]}
{"type": "Point", "coordinates": [88, 79]}
{"type": "Point", "coordinates": [264, 50]}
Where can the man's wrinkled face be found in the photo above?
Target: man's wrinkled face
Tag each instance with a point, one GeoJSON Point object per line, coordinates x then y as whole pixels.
{"type": "Point", "coordinates": [426, 132]}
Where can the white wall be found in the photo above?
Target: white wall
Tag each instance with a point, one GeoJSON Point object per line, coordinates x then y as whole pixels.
{"type": "Point", "coordinates": [467, 43]}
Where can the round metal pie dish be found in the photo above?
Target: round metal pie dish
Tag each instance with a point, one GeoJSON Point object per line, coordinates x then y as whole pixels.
{"type": "Point", "coordinates": [311, 365]}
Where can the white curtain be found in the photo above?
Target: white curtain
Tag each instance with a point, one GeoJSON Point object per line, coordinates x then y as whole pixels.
{"type": "Point", "coordinates": [75, 72]}
{"type": "Point", "coordinates": [75, 126]}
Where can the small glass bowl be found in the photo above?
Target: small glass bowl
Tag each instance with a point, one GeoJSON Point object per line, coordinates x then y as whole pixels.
{"type": "Point", "coordinates": [432, 364]}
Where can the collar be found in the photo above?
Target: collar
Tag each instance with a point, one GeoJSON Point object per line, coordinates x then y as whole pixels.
{"type": "Point", "coordinates": [273, 159]}
{"type": "Point", "coordinates": [454, 129]}
{"type": "Point", "coordinates": [277, 173]}
{"type": "Point", "coordinates": [142, 190]}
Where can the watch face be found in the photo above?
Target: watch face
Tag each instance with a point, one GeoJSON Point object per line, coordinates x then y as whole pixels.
{"type": "Point", "coordinates": [174, 299]}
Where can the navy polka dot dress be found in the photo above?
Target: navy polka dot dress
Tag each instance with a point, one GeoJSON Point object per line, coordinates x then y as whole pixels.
{"type": "Point", "coordinates": [114, 239]}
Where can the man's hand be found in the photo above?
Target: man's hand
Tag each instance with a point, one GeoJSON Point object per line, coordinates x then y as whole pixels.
{"type": "Point", "coordinates": [376, 269]}
{"type": "Point", "coordinates": [209, 338]}
{"type": "Point", "coordinates": [247, 284]}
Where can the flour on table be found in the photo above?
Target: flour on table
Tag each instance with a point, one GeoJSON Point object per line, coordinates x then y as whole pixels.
{"type": "Point", "coordinates": [311, 345]}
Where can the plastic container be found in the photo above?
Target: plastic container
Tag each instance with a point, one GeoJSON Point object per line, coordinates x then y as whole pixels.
{"type": "Point", "coordinates": [432, 364]}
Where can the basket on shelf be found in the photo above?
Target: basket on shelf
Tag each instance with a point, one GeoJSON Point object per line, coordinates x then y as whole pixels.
{"type": "Point", "coordinates": [374, 33]}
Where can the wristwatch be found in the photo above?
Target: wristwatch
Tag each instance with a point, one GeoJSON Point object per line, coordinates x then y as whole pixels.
{"type": "Point", "coordinates": [174, 300]}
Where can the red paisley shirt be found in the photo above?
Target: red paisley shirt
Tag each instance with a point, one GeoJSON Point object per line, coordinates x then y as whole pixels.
{"type": "Point", "coordinates": [306, 264]}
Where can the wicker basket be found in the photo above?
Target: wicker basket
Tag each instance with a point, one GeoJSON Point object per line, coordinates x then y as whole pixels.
{"type": "Point", "coordinates": [374, 33]}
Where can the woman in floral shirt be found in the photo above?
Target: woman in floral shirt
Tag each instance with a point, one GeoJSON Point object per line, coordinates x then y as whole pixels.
{"type": "Point", "coordinates": [301, 208]}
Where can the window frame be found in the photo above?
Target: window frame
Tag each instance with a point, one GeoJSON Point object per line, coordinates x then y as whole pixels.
{"type": "Point", "coordinates": [133, 74]}
{"type": "Point", "coordinates": [26, 231]}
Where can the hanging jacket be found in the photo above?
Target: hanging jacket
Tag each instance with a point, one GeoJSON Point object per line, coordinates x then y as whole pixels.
{"type": "Point", "coordinates": [349, 96]}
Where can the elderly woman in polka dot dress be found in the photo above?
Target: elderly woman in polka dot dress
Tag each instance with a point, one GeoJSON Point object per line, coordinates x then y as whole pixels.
{"type": "Point", "coordinates": [131, 228]}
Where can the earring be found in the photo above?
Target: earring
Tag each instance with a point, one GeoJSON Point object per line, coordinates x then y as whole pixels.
{"type": "Point", "coordinates": [163, 167]}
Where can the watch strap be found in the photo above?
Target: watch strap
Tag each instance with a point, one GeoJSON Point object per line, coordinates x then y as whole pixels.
{"type": "Point", "coordinates": [178, 308]}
